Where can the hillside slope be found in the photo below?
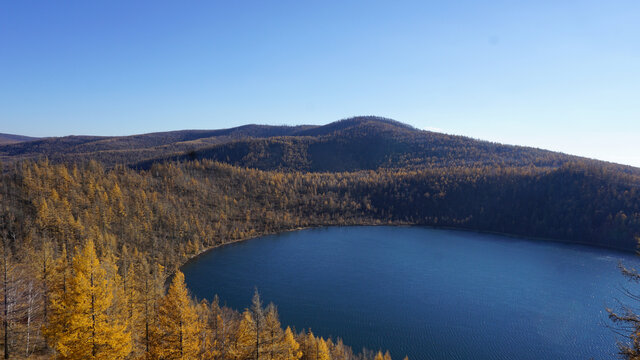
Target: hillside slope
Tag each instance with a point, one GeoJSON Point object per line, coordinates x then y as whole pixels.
{"type": "Point", "coordinates": [369, 143]}
{"type": "Point", "coordinates": [14, 139]}
{"type": "Point", "coordinates": [131, 149]}
{"type": "Point", "coordinates": [360, 143]}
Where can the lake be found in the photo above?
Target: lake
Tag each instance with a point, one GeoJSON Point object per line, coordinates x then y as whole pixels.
{"type": "Point", "coordinates": [426, 293]}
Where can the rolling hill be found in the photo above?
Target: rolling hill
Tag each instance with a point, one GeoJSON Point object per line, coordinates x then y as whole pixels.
{"type": "Point", "coordinates": [14, 139]}
{"type": "Point", "coordinates": [360, 143]}
{"type": "Point", "coordinates": [368, 144]}
{"type": "Point", "coordinates": [134, 148]}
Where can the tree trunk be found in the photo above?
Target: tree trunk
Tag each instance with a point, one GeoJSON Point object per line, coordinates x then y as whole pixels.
{"type": "Point", "coordinates": [29, 307]}
{"type": "Point", "coordinates": [93, 320]}
{"type": "Point", "coordinates": [5, 320]}
{"type": "Point", "coordinates": [257, 338]}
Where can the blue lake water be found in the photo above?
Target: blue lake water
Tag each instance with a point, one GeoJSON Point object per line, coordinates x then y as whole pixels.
{"type": "Point", "coordinates": [426, 293]}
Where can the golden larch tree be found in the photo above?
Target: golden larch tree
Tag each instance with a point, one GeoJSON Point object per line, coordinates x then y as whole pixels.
{"type": "Point", "coordinates": [273, 334]}
{"type": "Point", "coordinates": [178, 326]}
{"type": "Point", "coordinates": [322, 350]}
{"type": "Point", "coordinates": [83, 322]}
{"type": "Point", "coordinates": [291, 346]}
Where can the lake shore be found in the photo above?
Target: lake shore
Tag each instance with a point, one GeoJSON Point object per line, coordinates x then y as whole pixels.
{"type": "Point", "coordinates": [380, 286]}
{"type": "Point", "coordinates": [402, 224]}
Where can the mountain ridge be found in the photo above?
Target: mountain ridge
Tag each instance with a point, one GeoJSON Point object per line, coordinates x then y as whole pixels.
{"type": "Point", "coordinates": [351, 144]}
{"type": "Point", "coordinates": [14, 139]}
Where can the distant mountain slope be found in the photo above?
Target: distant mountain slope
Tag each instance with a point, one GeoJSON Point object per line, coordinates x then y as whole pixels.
{"type": "Point", "coordinates": [369, 143]}
{"type": "Point", "coordinates": [359, 143]}
{"type": "Point", "coordinates": [13, 139]}
{"type": "Point", "coordinates": [135, 148]}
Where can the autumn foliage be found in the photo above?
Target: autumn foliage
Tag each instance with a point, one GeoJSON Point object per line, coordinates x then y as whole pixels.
{"type": "Point", "coordinates": [87, 250]}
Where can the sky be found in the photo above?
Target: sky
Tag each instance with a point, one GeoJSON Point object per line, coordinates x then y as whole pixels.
{"type": "Point", "coordinates": [559, 75]}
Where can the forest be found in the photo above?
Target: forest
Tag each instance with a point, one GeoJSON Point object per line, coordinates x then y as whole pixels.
{"type": "Point", "coordinates": [360, 143]}
{"type": "Point", "coordinates": [87, 254]}
{"type": "Point", "coordinates": [91, 250]}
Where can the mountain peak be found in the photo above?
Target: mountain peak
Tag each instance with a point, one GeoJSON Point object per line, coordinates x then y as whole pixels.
{"type": "Point", "coordinates": [356, 122]}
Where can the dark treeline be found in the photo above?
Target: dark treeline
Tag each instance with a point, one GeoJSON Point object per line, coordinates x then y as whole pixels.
{"type": "Point", "coordinates": [576, 202]}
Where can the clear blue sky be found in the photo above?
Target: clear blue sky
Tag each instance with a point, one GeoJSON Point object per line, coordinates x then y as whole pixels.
{"type": "Point", "coordinates": [562, 75]}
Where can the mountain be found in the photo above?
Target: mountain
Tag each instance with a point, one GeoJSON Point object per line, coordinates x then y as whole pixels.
{"type": "Point", "coordinates": [135, 148]}
{"type": "Point", "coordinates": [14, 139]}
{"type": "Point", "coordinates": [359, 143]}
{"type": "Point", "coordinates": [368, 143]}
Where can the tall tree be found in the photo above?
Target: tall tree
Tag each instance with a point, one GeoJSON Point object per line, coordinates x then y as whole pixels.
{"type": "Point", "coordinates": [178, 324]}
{"type": "Point", "coordinates": [250, 338]}
{"type": "Point", "coordinates": [7, 287]}
{"type": "Point", "coordinates": [291, 346]}
{"type": "Point", "coordinates": [273, 334]}
{"type": "Point", "coordinates": [83, 322]}
{"type": "Point", "coordinates": [245, 339]}
{"type": "Point", "coordinates": [258, 316]}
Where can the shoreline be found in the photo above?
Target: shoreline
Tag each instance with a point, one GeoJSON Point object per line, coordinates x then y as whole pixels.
{"type": "Point", "coordinates": [400, 224]}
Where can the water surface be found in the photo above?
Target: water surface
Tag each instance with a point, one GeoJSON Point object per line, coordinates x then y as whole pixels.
{"type": "Point", "coordinates": [426, 293]}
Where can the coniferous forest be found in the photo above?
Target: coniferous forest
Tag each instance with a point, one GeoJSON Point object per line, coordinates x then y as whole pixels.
{"type": "Point", "coordinates": [94, 231]}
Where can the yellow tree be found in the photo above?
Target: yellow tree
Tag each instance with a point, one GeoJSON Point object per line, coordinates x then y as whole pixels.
{"type": "Point", "coordinates": [142, 294]}
{"type": "Point", "coordinates": [84, 323]}
{"type": "Point", "coordinates": [291, 346]}
{"type": "Point", "coordinates": [207, 341]}
{"type": "Point", "coordinates": [310, 350]}
{"type": "Point", "coordinates": [56, 294]}
{"type": "Point", "coordinates": [322, 350]}
{"type": "Point", "coordinates": [386, 356]}
{"type": "Point", "coordinates": [245, 339]}
{"type": "Point", "coordinates": [178, 325]}
{"type": "Point", "coordinates": [131, 300]}
{"type": "Point", "coordinates": [251, 335]}
{"type": "Point", "coordinates": [216, 326]}
{"type": "Point", "coordinates": [273, 334]}
{"type": "Point", "coordinates": [307, 343]}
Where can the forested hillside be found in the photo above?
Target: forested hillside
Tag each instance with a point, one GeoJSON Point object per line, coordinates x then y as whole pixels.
{"type": "Point", "coordinates": [75, 232]}
{"type": "Point", "coordinates": [370, 144]}
{"type": "Point", "coordinates": [112, 150]}
{"type": "Point", "coordinates": [14, 139]}
{"type": "Point", "coordinates": [362, 143]}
